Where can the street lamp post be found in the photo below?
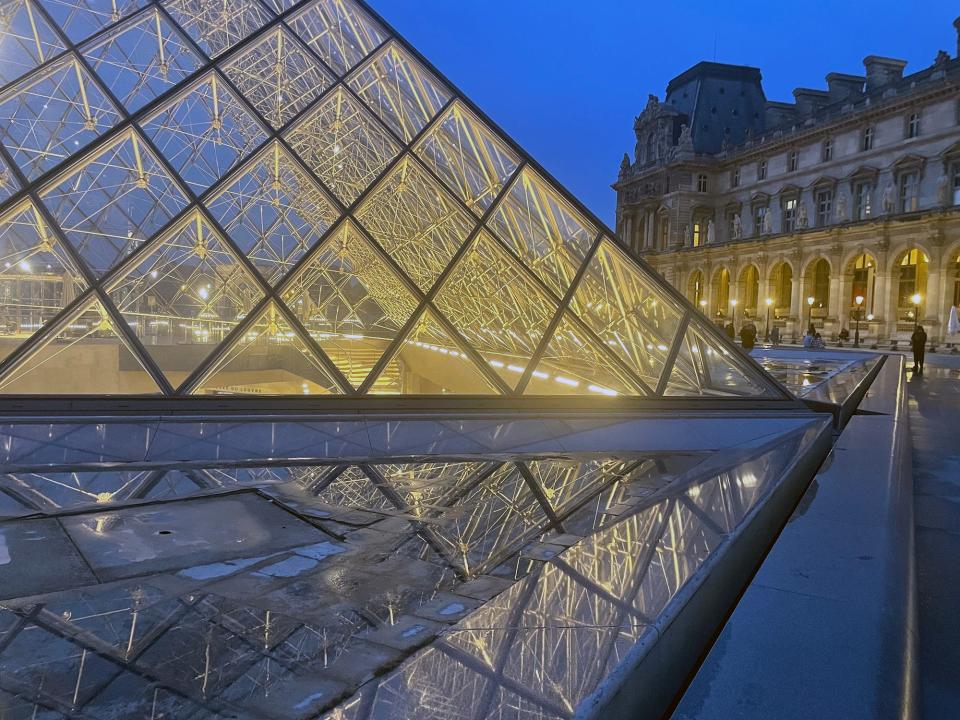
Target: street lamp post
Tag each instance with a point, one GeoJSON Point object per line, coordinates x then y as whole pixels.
{"type": "Point", "coordinates": [734, 304]}
{"type": "Point", "coordinates": [856, 337]}
{"type": "Point", "coordinates": [769, 306]}
{"type": "Point", "coordinates": [916, 299]}
{"type": "Point", "coordinates": [810, 301]}
{"type": "Point", "coordinates": [703, 306]}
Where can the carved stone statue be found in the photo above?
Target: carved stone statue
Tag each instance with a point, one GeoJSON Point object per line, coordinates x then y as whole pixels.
{"type": "Point", "coordinates": [685, 143]}
{"type": "Point", "coordinates": [889, 199]}
{"type": "Point", "coordinates": [737, 227]}
{"type": "Point", "coordinates": [802, 219]}
{"type": "Point", "coordinates": [943, 190]}
{"type": "Point", "coordinates": [841, 207]}
{"type": "Point", "coordinates": [625, 165]}
{"type": "Point", "coordinates": [768, 223]}
{"type": "Point", "coordinates": [711, 233]}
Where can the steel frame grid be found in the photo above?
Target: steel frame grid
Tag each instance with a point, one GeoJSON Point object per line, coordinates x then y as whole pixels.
{"type": "Point", "coordinates": [197, 203]}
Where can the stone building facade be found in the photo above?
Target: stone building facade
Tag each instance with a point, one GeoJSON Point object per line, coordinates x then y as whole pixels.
{"type": "Point", "coordinates": [790, 212]}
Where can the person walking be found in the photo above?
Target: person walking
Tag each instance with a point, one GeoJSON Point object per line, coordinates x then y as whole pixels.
{"type": "Point", "coordinates": [748, 337]}
{"type": "Point", "coordinates": [918, 342]}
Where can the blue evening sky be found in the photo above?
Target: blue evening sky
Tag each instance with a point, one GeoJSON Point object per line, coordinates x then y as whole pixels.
{"type": "Point", "coordinates": [566, 78]}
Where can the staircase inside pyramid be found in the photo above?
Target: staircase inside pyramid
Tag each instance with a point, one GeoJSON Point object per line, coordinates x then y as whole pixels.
{"type": "Point", "coordinates": [284, 198]}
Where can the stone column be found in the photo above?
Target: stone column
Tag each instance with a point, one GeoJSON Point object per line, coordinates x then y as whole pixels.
{"type": "Point", "coordinates": [884, 304]}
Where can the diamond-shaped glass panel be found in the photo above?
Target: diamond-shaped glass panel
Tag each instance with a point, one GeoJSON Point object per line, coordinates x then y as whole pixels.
{"type": "Point", "coordinates": [351, 302]}
{"type": "Point", "coordinates": [219, 25]}
{"type": "Point", "coordinates": [353, 489]}
{"type": "Point", "coordinates": [565, 483]}
{"type": "Point", "coordinates": [544, 230]}
{"type": "Point", "coordinates": [400, 91]}
{"type": "Point", "coordinates": [51, 115]}
{"type": "Point", "coordinates": [116, 200]}
{"type": "Point", "coordinates": [281, 5]}
{"type": "Point", "coordinates": [82, 18]}
{"type": "Point", "coordinates": [85, 354]}
{"type": "Point", "coordinates": [623, 307]}
{"type": "Point", "coordinates": [274, 212]}
{"type": "Point", "coordinates": [575, 364]}
{"type": "Point", "coordinates": [416, 222]}
{"type": "Point", "coordinates": [184, 296]}
{"type": "Point", "coordinates": [720, 372]}
{"type": "Point", "coordinates": [26, 39]}
{"type": "Point", "coordinates": [344, 144]}
{"type": "Point", "coordinates": [38, 278]}
{"type": "Point", "coordinates": [142, 59]}
{"type": "Point", "coordinates": [278, 76]}
{"type": "Point", "coordinates": [339, 31]}
{"type": "Point", "coordinates": [430, 362]}
{"type": "Point", "coordinates": [498, 309]}
{"type": "Point", "coordinates": [204, 132]}
{"type": "Point", "coordinates": [269, 358]}
{"type": "Point", "coordinates": [468, 156]}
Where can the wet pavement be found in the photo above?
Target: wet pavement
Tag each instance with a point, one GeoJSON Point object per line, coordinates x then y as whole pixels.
{"type": "Point", "coordinates": [935, 427]}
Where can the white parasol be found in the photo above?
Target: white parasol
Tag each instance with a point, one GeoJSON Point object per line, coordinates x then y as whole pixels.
{"type": "Point", "coordinates": [953, 326]}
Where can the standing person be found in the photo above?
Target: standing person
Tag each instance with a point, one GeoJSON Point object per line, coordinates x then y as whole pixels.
{"type": "Point", "coordinates": [775, 335]}
{"type": "Point", "coordinates": [731, 331]}
{"type": "Point", "coordinates": [748, 337]}
{"type": "Point", "coordinates": [919, 343]}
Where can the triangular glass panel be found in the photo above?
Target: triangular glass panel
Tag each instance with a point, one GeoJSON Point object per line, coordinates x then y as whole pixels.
{"type": "Point", "coordinates": [59, 490]}
{"type": "Point", "coordinates": [269, 358]}
{"type": "Point", "coordinates": [343, 144]}
{"type": "Point", "coordinates": [114, 201]}
{"type": "Point", "coordinates": [274, 212]}
{"type": "Point", "coordinates": [429, 362]}
{"type": "Point", "coordinates": [500, 311]}
{"type": "Point", "coordinates": [468, 156]}
{"type": "Point", "coordinates": [624, 307]}
{"type": "Point", "coordinates": [53, 114]}
{"type": "Point", "coordinates": [416, 222]}
{"type": "Point", "coordinates": [566, 483]}
{"type": "Point", "coordinates": [339, 31]}
{"type": "Point", "coordinates": [26, 41]}
{"type": "Point", "coordinates": [688, 376]}
{"type": "Point", "coordinates": [218, 26]}
{"type": "Point", "coordinates": [491, 522]}
{"type": "Point", "coordinates": [38, 277]}
{"type": "Point", "coordinates": [141, 59]}
{"type": "Point", "coordinates": [351, 302]}
{"type": "Point", "coordinates": [82, 18]}
{"type": "Point", "coordinates": [400, 91]}
{"type": "Point", "coordinates": [8, 181]}
{"type": "Point", "coordinates": [724, 373]}
{"type": "Point", "coordinates": [548, 234]}
{"type": "Point", "coordinates": [353, 489]}
{"type": "Point", "coordinates": [573, 364]}
{"type": "Point", "coordinates": [85, 354]}
{"type": "Point", "coordinates": [426, 487]}
{"type": "Point", "coordinates": [184, 295]}
{"type": "Point", "coordinates": [278, 76]}
{"type": "Point", "coordinates": [204, 131]}
{"type": "Point", "coordinates": [281, 5]}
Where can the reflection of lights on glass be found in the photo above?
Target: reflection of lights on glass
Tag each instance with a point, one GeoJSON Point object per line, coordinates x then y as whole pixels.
{"type": "Point", "coordinates": [25, 266]}
{"type": "Point", "coordinates": [203, 293]}
{"type": "Point", "coordinates": [515, 368]}
{"type": "Point", "coordinates": [602, 390]}
{"type": "Point", "coordinates": [541, 375]}
{"type": "Point", "coordinates": [567, 381]}
{"type": "Point", "coordinates": [496, 363]}
{"type": "Point", "coordinates": [153, 274]}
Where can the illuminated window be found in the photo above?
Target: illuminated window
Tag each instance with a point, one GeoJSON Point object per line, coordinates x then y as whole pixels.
{"type": "Point", "coordinates": [789, 215]}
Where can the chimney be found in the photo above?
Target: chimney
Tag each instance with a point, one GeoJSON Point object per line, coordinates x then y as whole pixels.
{"type": "Point", "coordinates": [809, 101]}
{"type": "Point", "coordinates": [883, 71]}
{"type": "Point", "coordinates": [842, 86]}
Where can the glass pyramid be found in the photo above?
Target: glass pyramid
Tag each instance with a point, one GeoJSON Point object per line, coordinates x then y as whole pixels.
{"type": "Point", "coordinates": [283, 197]}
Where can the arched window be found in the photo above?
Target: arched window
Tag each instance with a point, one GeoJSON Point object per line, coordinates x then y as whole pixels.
{"type": "Point", "coordinates": [956, 280]}
{"type": "Point", "coordinates": [818, 280]}
{"type": "Point", "coordinates": [782, 289]}
{"type": "Point", "coordinates": [695, 288]}
{"type": "Point", "coordinates": [723, 293]}
{"type": "Point", "coordinates": [751, 291]}
{"type": "Point", "coordinates": [863, 282]}
{"type": "Point", "coordinates": [913, 279]}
